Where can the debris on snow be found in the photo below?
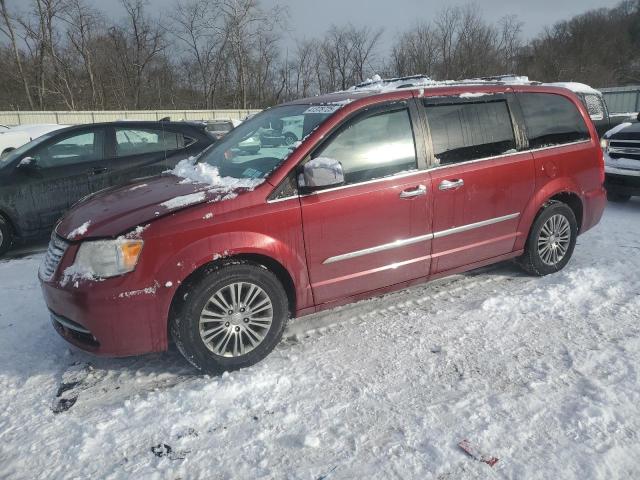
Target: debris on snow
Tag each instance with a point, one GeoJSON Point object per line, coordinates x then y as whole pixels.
{"type": "Point", "coordinates": [475, 453]}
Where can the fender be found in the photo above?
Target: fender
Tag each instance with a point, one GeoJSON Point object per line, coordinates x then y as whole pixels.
{"type": "Point", "coordinates": [549, 190]}
{"type": "Point", "coordinates": [177, 268]}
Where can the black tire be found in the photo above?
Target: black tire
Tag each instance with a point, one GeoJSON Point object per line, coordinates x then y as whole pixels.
{"type": "Point", "coordinates": [531, 261]}
{"type": "Point", "coordinates": [6, 236]}
{"type": "Point", "coordinates": [617, 197]}
{"type": "Point", "coordinates": [185, 324]}
{"type": "Point", "coordinates": [290, 138]}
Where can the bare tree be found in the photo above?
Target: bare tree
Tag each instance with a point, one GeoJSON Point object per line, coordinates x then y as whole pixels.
{"type": "Point", "coordinates": [8, 30]}
{"type": "Point", "coordinates": [199, 26]}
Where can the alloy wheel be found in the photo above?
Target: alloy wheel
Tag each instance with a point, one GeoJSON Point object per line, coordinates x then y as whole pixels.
{"type": "Point", "coordinates": [236, 319]}
{"type": "Point", "coordinates": [554, 239]}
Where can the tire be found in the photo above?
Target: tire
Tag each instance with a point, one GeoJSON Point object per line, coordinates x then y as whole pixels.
{"type": "Point", "coordinates": [618, 197]}
{"type": "Point", "coordinates": [536, 263]}
{"type": "Point", "coordinates": [290, 138]}
{"type": "Point", "coordinates": [6, 236]}
{"type": "Point", "coordinates": [192, 337]}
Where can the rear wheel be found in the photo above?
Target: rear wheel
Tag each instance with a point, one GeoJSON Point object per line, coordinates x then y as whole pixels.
{"type": "Point", "coordinates": [551, 241]}
{"type": "Point", "coordinates": [6, 236]}
{"type": "Point", "coordinates": [232, 318]}
{"type": "Point", "coordinates": [617, 197]}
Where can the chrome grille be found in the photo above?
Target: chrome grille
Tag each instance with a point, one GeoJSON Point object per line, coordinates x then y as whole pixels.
{"type": "Point", "coordinates": [628, 148]}
{"type": "Point", "coordinates": [55, 252]}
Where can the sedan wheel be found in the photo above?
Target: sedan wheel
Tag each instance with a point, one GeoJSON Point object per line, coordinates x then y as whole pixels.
{"type": "Point", "coordinates": [6, 238]}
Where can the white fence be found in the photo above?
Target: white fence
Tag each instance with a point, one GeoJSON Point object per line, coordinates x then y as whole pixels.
{"type": "Point", "coordinates": [77, 117]}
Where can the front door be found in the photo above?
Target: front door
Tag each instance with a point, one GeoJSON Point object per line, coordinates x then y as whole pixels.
{"type": "Point", "coordinates": [375, 230]}
{"type": "Point", "coordinates": [58, 176]}
{"type": "Point", "coordinates": [481, 181]}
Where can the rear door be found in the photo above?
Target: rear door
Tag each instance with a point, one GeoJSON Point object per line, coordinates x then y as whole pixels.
{"type": "Point", "coordinates": [375, 230]}
{"type": "Point", "coordinates": [482, 180]}
{"type": "Point", "coordinates": [139, 151]}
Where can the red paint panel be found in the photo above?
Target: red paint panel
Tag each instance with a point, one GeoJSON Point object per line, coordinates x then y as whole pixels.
{"type": "Point", "coordinates": [492, 189]}
{"type": "Point", "coordinates": [360, 217]}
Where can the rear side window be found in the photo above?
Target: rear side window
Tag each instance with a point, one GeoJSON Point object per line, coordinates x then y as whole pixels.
{"type": "Point", "coordinates": [595, 106]}
{"type": "Point", "coordinates": [375, 146]}
{"type": "Point", "coordinates": [551, 120]}
{"type": "Point", "coordinates": [138, 141]}
{"type": "Point", "coordinates": [468, 131]}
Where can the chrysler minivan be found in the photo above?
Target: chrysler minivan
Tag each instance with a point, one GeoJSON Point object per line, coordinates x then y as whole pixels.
{"type": "Point", "coordinates": [391, 184]}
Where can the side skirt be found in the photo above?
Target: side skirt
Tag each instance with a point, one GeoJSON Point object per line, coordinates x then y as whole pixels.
{"type": "Point", "coordinates": [403, 285]}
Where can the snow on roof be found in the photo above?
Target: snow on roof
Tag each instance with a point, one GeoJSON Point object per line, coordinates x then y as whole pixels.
{"type": "Point", "coordinates": [573, 86]}
{"type": "Point", "coordinates": [378, 84]}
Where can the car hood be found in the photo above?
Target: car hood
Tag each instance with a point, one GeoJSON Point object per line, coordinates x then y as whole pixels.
{"type": "Point", "coordinates": [624, 131]}
{"type": "Point", "coordinates": [113, 211]}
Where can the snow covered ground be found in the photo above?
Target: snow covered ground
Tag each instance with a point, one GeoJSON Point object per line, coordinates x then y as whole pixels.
{"type": "Point", "coordinates": [540, 373]}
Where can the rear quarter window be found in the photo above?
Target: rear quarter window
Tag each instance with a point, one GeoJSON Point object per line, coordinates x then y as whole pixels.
{"type": "Point", "coordinates": [551, 120]}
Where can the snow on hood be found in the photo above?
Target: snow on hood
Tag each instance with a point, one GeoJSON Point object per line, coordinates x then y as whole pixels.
{"type": "Point", "coordinates": [116, 210]}
{"type": "Point", "coordinates": [208, 174]}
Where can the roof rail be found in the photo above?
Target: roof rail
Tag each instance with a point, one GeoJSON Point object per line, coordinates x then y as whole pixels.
{"type": "Point", "coordinates": [414, 81]}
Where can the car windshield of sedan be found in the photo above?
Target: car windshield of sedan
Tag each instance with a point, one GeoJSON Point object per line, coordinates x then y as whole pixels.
{"type": "Point", "coordinates": [260, 145]}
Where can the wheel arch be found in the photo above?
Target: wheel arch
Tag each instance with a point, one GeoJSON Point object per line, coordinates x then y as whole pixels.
{"type": "Point", "coordinates": [260, 260]}
{"type": "Point", "coordinates": [560, 192]}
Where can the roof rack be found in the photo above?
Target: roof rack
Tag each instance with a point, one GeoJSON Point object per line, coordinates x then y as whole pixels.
{"type": "Point", "coordinates": [415, 81]}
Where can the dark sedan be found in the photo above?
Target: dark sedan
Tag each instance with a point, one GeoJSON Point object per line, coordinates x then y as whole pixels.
{"type": "Point", "coordinates": [42, 179]}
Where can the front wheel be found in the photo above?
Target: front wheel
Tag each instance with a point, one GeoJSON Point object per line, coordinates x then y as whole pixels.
{"type": "Point", "coordinates": [6, 237]}
{"type": "Point", "coordinates": [551, 241]}
{"type": "Point", "coordinates": [232, 318]}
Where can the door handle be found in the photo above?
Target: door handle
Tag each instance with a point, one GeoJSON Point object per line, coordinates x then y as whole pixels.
{"type": "Point", "coordinates": [414, 192]}
{"type": "Point", "coordinates": [97, 170]}
{"type": "Point", "coordinates": [451, 184]}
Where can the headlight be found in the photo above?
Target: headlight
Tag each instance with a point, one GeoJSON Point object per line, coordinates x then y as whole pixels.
{"type": "Point", "coordinates": [604, 143]}
{"type": "Point", "coordinates": [108, 258]}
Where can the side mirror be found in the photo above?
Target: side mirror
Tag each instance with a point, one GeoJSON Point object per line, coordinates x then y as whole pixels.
{"type": "Point", "coordinates": [28, 163]}
{"type": "Point", "coordinates": [320, 173]}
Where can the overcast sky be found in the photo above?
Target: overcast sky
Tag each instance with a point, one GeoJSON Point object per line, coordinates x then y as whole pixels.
{"type": "Point", "coordinates": [311, 18]}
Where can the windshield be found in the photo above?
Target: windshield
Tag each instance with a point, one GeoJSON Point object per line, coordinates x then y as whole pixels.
{"type": "Point", "coordinates": [260, 145]}
{"type": "Point", "coordinates": [18, 152]}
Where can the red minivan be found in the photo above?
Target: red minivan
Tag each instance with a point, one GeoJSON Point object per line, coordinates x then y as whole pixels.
{"type": "Point", "coordinates": [392, 184]}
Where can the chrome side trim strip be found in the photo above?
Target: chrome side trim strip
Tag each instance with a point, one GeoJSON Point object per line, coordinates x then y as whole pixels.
{"type": "Point", "coordinates": [471, 226]}
{"type": "Point", "coordinates": [378, 248]}
{"type": "Point", "coordinates": [421, 238]}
